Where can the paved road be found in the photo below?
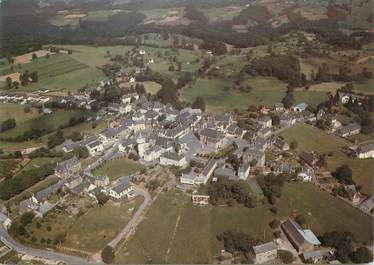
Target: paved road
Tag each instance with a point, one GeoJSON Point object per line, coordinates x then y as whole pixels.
{"type": "Point", "coordinates": [51, 255]}
{"type": "Point", "coordinates": [134, 220]}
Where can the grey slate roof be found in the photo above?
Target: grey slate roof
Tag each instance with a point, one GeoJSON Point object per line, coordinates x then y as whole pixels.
{"type": "Point", "coordinates": [263, 248]}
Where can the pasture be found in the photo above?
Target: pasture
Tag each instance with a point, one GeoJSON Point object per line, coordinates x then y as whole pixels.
{"type": "Point", "coordinates": [175, 231]}
{"type": "Point", "coordinates": [117, 168]}
{"type": "Point", "coordinates": [94, 230]}
{"type": "Point", "coordinates": [8, 167]}
{"type": "Point", "coordinates": [221, 13]}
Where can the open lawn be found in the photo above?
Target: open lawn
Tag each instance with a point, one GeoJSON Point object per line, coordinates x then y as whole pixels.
{"type": "Point", "coordinates": [96, 228]}
{"type": "Point", "coordinates": [49, 122]}
{"type": "Point", "coordinates": [221, 13]}
{"type": "Point", "coordinates": [16, 111]}
{"type": "Point", "coordinates": [150, 86]}
{"type": "Point", "coordinates": [175, 231]}
{"type": "Point", "coordinates": [312, 139]}
{"type": "Point", "coordinates": [118, 168]}
{"type": "Point", "coordinates": [312, 98]}
{"type": "Point", "coordinates": [367, 87]}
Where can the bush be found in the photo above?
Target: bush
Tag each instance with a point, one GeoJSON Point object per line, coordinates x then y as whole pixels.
{"type": "Point", "coordinates": [285, 256]}
{"type": "Point", "coordinates": [362, 255]}
{"type": "Point", "coordinates": [108, 254]}
{"type": "Point", "coordinates": [274, 224]}
{"type": "Point", "coordinates": [27, 218]}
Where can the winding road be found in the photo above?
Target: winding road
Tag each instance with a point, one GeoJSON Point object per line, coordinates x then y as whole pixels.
{"type": "Point", "coordinates": [46, 254]}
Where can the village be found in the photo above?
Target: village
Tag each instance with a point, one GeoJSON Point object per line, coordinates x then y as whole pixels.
{"type": "Point", "coordinates": [196, 146]}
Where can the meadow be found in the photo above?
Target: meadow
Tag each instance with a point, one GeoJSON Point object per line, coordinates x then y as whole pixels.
{"type": "Point", "coordinates": [175, 231]}
{"type": "Point", "coordinates": [16, 111]}
{"type": "Point", "coordinates": [117, 168]}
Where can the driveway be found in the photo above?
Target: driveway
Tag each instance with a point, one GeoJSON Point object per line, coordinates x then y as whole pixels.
{"type": "Point", "coordinates": [51, 255]}
{"type": "Point", "coordinates": [134, 220]}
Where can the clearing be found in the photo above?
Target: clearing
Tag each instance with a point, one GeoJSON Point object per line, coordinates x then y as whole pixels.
{"type": "Point", "coordinates": [117, 168]}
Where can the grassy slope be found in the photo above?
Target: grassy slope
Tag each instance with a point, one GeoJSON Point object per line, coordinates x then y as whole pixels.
{"type": "Point", "coordinates": [16, 111]}
{"type": "Point", "coordinates": [311, 139]}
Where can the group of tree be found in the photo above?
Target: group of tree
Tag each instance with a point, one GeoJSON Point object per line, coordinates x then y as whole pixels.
{"type": "Point", "coordinates": [235, 241]}
{"type": "Point", "coordinates": [343, 174]}
{"type": "Point", "coordinates": [192, 13]}
{"type": "Point", "coordinates": [216, 47]}
{"type": "Point", "coordinates": [344, 243]}
{"type": "Point", "coordinates": [272, 185]}
{"type": "Point", "coordinates": [55, 139]}
{"type": "Point", "coordinates": [25, 77]}
{"type": "Point", "coordinates": [7, 125]}
{"type": "Point", "coordinates": [284, 67]}
{"type": "Point", "coordinates": [199, 103]}
{"type": "Point", "coordinates": [229, 191]}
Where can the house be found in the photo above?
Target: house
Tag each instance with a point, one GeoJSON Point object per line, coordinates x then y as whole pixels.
{"type": "Point", "coordinates": [5, 221]}
{"type": "Point", "coordinates": [264, 132]}
{"type": "Point", "coordinates": [68, 167]}
{"type": "Point", "coordinates": [306, 174]}
{"type": "Point", "coordinates": [350, 129]}
{"type": "Point", "coordinates": [73, 182]}
{"type": "Point", "coordinates": [265, 252]}
{"type": "Point", "coordinates": [300, 107]}
{"type": "Point", "coordinates": [122, 189]}
{"type": "Point", "coordinates": [44, 208]}
{"type": "Point", "coordinates": [101, 181]}
{"type": "Point", "coordinates": [302, 240]}
{"type": "Point", "coordinates": [281, 144]}
{"type": "Point", "coordinates": [142, 52]}
{"type": "Point", "coordinates": [243, 171]}
{"type": "Point", "coordinates": [188, 178]}
{"type": "Point", "coordinates": [28, 205]}
{"type": "Point", "coordinates": [126, 99]}
{"type": "Point", "coordinates": [310, 158]}
{"type": "Point", "coordinates": [225, 172]}
{"type": "Point", "coordinates": [200, 199]}
{"type": "Point", "coordinates": [173, 159]}
{"type": "Point", "coordinates": [312, 256]}
{"type": "Point", "coordinates": [368, 205]}
{"type": "Point", "coordinates": [211, 138]}
{"type": "Point", "coordinates": [207, 172]}
{"type": "Point", "coordinates": [254, 154]}
{"type": "Point", "coordinates": [365, 151]}
{"type": "Point", "coordinates": [278, 107]}
{"type": "Point", "coordinates": [95, 147]}
{"type": "Point", "coordinates": [43, 194]}
{"type": "Point", "coordinates": [287, 120]}
{"type": "Point", "coordinates": [265, 122]}
{"type": "Point", "coordinates": [309, 116]}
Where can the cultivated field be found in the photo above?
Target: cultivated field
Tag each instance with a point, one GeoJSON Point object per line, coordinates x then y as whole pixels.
{"type": "Point", "coordinates": [49, 122]}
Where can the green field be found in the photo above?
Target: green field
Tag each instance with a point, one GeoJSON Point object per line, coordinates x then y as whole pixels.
{"type": "Point", "coordinates": [366, 87]}
{"type": "Point", "coordinates": [16, 111]}
{"type": "Point", "coordinates": [48, 122]}
{"type": "Point", "coordinates": [221, 13]}
{"type": "Point", "coordinates": [118, 168]}
{"type": "Point", "coordinates": [175, 231]}
{"type": "Point", "coordinates": [266, 91]}
{"type": "Point", "coordinates": [5, 67]}
{"type": "Point", "coordinates": [96, 228]}
{"type": "Point", "coordinates": [60, 72]}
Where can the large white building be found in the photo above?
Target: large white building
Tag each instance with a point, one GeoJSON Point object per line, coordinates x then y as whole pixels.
{"type": "Point", "coordinates": [173, 159]}
{"type": "Point", "coordinates": [365, 151]}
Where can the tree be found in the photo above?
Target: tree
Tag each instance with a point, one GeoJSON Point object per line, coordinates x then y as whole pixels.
{"type": "Point", "coordinates": [285, 256]}
{"type": "Point", "coordinates": [107, 254]}
{"type": "Point", "coordinates": [16, 84]}
{"type": "Point", "coordinates": [34, 56]}
{"type": "Point", "coordinates": [76, 136]}
{"type": "Point", "coordinates": [9, 83]}
{"type": "Point", "coordinates": [81, 152]}
{"type": "Point", "coordinates": [293, 144]}
{"type": "Point", "coordinates": [7, 125]}
{"type": "Point", "coordinates": [199, 103]}
{"type": "Point", "coordinates": [300, 219]}
{"type": "Point", "coordinates": [362, 255]}
{"type": "Point", "coordinates": [56, 139]}
{"type": "Point", "coordinates": [27, 218]}
{"type": "Point", "coordinates": [343, 174]}
{"type": "Point", "coordinates": [102, 198]}
{"type": "Point", "coordinates": [34, 77]}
